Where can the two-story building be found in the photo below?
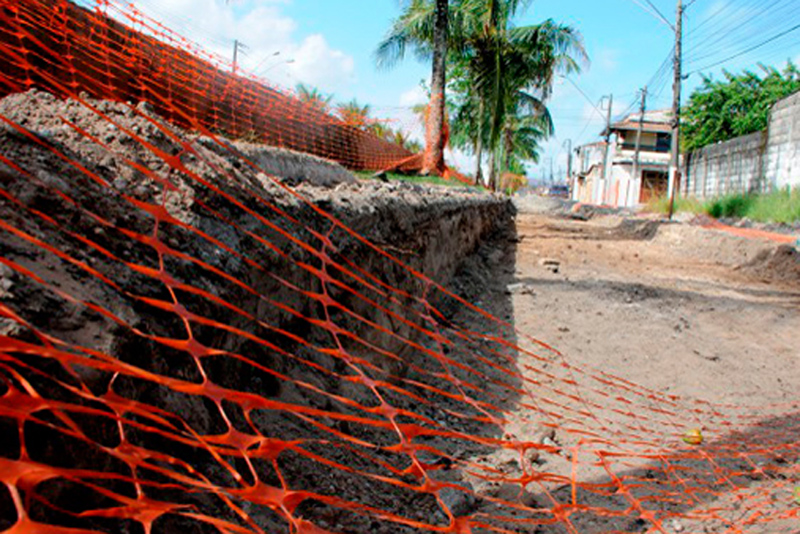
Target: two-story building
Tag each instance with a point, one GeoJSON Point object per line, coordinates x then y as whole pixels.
{"type": "Point", "coordinates": [626, 183]}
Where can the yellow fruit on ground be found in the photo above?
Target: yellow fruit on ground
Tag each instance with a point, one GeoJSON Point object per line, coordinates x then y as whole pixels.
{"type": "Point", "coordinates": [693, 437]}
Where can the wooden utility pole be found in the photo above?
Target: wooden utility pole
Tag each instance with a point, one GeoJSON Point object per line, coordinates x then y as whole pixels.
{"type": "Point", "coordinates": [608, 148]}
{"type": "Point", "coordinates": [675, 174]}
{"type": "Point", "coordinates": [639, 130]}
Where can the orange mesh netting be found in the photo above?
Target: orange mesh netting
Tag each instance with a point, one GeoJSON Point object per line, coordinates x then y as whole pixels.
{"type": "Point", "coordinates": [189, 344]}
{"type": "Point", "coordinates": [65, 49]}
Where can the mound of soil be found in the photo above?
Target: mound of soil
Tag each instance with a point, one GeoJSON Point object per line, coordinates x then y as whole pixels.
{"type": "Point", "coordinates": [781, 264]}
{"type": "Point", "coordinates": [124, 236]}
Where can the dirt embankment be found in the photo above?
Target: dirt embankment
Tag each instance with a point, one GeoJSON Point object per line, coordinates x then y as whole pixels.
{"type": "Point", "coordinates": [128, 240]}
{"type": "Point", "coordinates": [191, 341]}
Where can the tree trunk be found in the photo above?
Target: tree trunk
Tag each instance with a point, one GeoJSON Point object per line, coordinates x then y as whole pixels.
{"type": "Point", "coordinates": [433, 160]}
{"type": "Point", "coordinates": [479, 157]}
{"type": "Point", "coordinates": [492, 171]}
{"type": "Point", "coordinates": [508, 148]}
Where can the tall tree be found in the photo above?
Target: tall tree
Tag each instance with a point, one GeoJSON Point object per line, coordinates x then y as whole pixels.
{"type": "Point", "coordinates": [513, 68]}
{"type": "Point", "coordinates": [495, 67]}
{"type": "Point", "coordinates": [467, 124]}
{"type": "Point", "coordinates": [434, 29]}
{"type": "Point", "coordinates": [433, 160]}
{"type": "Point", "coordinates": [738, 105]}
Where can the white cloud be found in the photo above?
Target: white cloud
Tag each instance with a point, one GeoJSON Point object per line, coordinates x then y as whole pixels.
{"type": "Point", "coordinates": [413, 97]}
{"type": "Point", "coordinates": [316, 63]}
{"type": "Point", "coordinates": [270, 46]}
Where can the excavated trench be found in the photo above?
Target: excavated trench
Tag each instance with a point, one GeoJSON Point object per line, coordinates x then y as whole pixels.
{"type": "Point", "coordinates": [156, 262]}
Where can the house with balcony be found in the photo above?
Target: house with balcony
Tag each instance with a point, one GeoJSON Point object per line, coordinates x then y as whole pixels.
{"type": "Point", "coordinates": [626, 183]}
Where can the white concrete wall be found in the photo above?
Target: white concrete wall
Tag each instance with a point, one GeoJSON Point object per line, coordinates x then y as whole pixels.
{"type": "Point", "coordinates": [735, 166]}
{"type": "Point", "coordinates": [782, 165]}
{"type": "Point", "coordinates": [752, 163]}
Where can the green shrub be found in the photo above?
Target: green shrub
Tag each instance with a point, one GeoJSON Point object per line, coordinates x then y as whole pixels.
{"type": "Point", "coordinates": [781, 206]}
{"type": "Point", "coordinates": [730, 206]}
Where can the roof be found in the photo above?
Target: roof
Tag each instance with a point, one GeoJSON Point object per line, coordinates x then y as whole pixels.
{"type": "Point", "coordinates": [647, 127]}
{"type": "Point", "coordinates": [589, 145]}
{"type": "Point", "coordinates": [656, 121]}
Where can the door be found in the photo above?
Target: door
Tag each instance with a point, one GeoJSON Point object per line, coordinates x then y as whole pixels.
{"type": "Point", "coordinates": [654, 185]}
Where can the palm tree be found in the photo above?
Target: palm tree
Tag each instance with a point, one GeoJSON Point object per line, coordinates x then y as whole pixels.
{"type": "Point", "coordinates": [512, 68]}
{"type": "Point", "coordinates": [354, 114]}
{"type": "Point", "coordinates": [521, 138]}
{"type": "Point", "coordinates": [314, 97]}
{"type": "Point", "coordinates": [433, 160]}
{"type": "Point", "coordinates": [426, 26]}
{"type": "Point", "coordinates": [467, 123]}
{"type": "Point", "coordinates": [502, 69]}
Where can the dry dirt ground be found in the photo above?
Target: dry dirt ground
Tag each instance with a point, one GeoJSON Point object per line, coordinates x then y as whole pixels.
{"type": "Point", "coordinates": [696, 316]}
{"type": "Point", "coordinates": [673, 311]}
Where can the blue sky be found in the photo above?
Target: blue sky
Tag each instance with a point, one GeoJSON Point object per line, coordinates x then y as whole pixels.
{"type": "Point", "coordinates": [330, 44]}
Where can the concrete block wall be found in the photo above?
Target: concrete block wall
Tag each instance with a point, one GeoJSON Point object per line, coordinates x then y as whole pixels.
{"type": "Point", "coordinates": [734, 166]}
{"type": "Point", "coordinates": [783, 152]}
{"type": "Point", "coordinates": [753, 163]}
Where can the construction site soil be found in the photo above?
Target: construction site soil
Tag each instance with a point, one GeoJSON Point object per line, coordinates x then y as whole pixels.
{"type": "Point", "coordinates": [690, 314]}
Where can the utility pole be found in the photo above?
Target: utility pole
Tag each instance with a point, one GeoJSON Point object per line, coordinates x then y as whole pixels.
{"type": "Point", "coordinates": [236, 47]}
{"type": "Point", "coordinates": [636, 176]}
{"type": "Point", "coordinates": [675, 175]}
{"type": "Point", "coordinates": [608, 148]}
{"type": "Point", "coordinates": [569, 158]}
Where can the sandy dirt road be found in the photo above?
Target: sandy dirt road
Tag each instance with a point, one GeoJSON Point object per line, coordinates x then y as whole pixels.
{"type": "Point", "coordinates": [665, 307]}
{"type": "Point", "coordinates": [690, 314]}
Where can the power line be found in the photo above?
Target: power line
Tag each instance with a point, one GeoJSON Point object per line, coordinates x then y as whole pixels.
{"type": "Point", "coordinates": [752, 48]}
{"type": "Point", "coordinates": [743, 24]}
{"type": "Point", "coordinates": [589, 100]}
{"type": "Point", "coordinates": [653, 10]}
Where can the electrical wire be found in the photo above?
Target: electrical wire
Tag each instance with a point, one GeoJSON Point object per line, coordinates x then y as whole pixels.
{"type": "Point", "coordinates": [748, 50]}
{"type": "Point", "coordinates": [589, 100]}
{"type": "Point", "coordinates": [653, 10]}
{"type": "Point", "coordinates": [730, 34]}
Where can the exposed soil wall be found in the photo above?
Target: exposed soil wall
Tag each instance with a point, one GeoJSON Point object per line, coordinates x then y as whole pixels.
{"type": "Point", "coordinates": [126, 238]}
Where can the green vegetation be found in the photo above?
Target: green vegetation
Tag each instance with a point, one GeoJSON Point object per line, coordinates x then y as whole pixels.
{"type": "Point", "coordinates": [500, 75]}
{"type": "Point", "coordinates": [412, 178]}
{"type": "Point", "coordinates": [356, 115]}
{"type": "Point", "coordinates": [739, 105]}
{"type": "Point", "coordinates": [314, 97]}
{"type": "Point", "coordinates": [781, 206]}
{"type": "Point", "coordinates": [688, 205]}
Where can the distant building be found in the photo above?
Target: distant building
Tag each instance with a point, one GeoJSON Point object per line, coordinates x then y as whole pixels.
{"type": "Point", "coordinates": [618, 186]}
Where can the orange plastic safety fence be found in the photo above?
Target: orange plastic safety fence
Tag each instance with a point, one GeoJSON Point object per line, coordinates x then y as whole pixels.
{"type": "Point", "coordinates": [65, 49]}
{"type": "Point", "coordinates": [187, 343]}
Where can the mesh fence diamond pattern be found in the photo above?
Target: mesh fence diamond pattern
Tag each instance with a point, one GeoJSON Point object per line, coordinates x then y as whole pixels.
{"type": "Point", "coordinates": [190, 342]}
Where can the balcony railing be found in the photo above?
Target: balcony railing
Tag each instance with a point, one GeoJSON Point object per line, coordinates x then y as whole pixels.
{"type": "Point", "coordinates": [662, 148]}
